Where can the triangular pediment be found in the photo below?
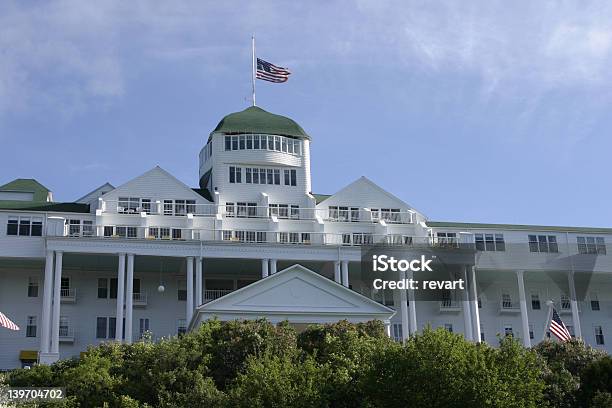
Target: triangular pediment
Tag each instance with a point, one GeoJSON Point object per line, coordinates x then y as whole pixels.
{"type": "Point", "coordinates": [297, 290]}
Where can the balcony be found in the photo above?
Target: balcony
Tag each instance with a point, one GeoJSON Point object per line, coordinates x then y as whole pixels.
{"type": "Point", "coordinates": [450, 306]}
{"type": "Point", "coordinates": [68, 295]}
{"type": "Point", "coordinates": [509, 307]}
{"type": "Point", "coordinates": [139, 299]}
{"type": "Point", "coordinates": [212, 294]}
{"type": "Point", "coordinates": [66, 334]}
{"type": "Point", "coordinates": [566, 307]}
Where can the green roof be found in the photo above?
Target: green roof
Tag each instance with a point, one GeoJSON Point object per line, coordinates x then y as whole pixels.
{"type": "Point", "coordinates": [256, 120]}
{"type": "Point", "coordinates": [27, 186]}
{"type": "Point", "coordinates": [520, 227]}
{"type": "Point", "coordinates": [43, 206]}
{"type": "Point", "coordinates": [320, 197]}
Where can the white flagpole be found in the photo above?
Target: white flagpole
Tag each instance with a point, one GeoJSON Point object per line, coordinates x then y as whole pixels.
{"type": "Point", "coordinates": [253, 72]}
{"type": "Point", "coordinates": [550, 304]}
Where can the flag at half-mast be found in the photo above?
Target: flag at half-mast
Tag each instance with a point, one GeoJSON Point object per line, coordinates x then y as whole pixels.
{"type": "Point", "coordinates": [558, 328]}
{"type": "Point", "coordinates": [6, 322]}
{"type": "Point", "coordinates": [270, 72]}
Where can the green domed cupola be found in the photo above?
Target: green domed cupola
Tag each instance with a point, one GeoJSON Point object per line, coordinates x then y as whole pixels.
{"type": "Point", "coordinates": [256, 120]}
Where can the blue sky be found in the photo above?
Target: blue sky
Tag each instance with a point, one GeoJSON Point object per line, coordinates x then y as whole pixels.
{"type": "Point", "coordinates": [469, 111]}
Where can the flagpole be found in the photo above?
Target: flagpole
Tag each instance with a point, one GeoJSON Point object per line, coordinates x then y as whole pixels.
{"type": "Point", "coordinates": [253, 71]}
{"type": "Point", "coordinates": [550, 304]}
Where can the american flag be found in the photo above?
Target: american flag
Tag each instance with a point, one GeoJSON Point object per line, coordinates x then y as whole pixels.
{"type": "Point", "coordinates": [557, 327]}
{"type": "Point", "coordinates": [6, 322]}
{"type": "Point", "coordinates": [270, 72]}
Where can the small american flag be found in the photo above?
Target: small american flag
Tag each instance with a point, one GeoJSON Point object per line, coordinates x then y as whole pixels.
{"type": "Point", "coordinates": [558, 328]}
{"type": "Point", "coordinates": [270, 72]}
{"type": "Point", "coordinates": [6, 322]}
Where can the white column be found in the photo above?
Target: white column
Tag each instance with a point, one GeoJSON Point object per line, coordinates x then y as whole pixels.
{"type": "Point", "coordinates": [120, 298]}
{"type": "Point", "coordinates": [56, 302]}
{"type": "Point", "coordinates": [523, 305]}
{"type": "Point", "coordinates": [574, 304]}
{"type": "Point", "coordinates": [412, 309]}
{"type": "Point", "coordinates": [474, 301]}
{"type": "Point", "coordinates": [198, 292]}
{"type": "Point", "coordinates": [129, 299]}
{"type": "Point", "coordinates": [404, 310]}
{"type": "Point", "coordinates": [46, 311]}
{"type": "Point", "coordinates": [337, 273]}
{"type": "Point", "coordinates": [189, 311]}
{"type": "Point", "coordinates": [345, 274]}
{"type": "Point", "coordinates": [272, 266]}
{"type": "Point", "coordinates": [264, 267]}
{"type": "Point", "coordinates": [388, 328]}
{"type": "Point", "coordinates": [467, 315]}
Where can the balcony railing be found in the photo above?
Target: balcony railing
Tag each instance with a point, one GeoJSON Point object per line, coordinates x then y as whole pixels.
{"type": "Point", "coordinates": [212, 294]}
{"type": "Point", "coordinates": [139, 299]}
{"type": "Point", "coordinates": [450, 305]}
{"type": "Point", "coordinates": [68, 295]}
{"type": "Point", "coordinates": [508, 306]}
{"type": "Point", "coordinates": [247, 210]}
{"type": "Point", "coordinates": [66, 334]}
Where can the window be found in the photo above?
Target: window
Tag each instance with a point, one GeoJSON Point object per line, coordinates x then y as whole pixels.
{"type": "Point", "coordinates": [31, 326]}
{"type": "Point", "coordinates": [182, 290]}
{"type": "Point", "coordinates": [64, 326]}
{"type": "Point", "coordinates": [507, 301]}
{"type": "Point", "coordinates": [229, 210]}
{"type": "Point", "coordinates": [448, 327]}
{"type": "Point", "coordinates": [570, 329]}
{"type": "Point", "coordinates": [24, 226]}
{"type": "Point", "coordinates": [128, 205]}
{"type": "Point", "coordinates": [65, 287]}
{"type": "Point", "coordinates": [447, 239]}
{"type": "Point", "coordinates": [565, 303]}
{"type": "Point", "coordinates": [102, 288]}
{"type": "Point", "coordinates": [594, 302]}
{"type": "Point", "coordinates": [228, 143]}
{"type": "Point", "coordinates": [277, 177]}
{"type": "Point", "coordinates": [482, 334]}
{"type": "Point", "coordinates": [591, 245]}
{"type": "Point", "coordinates": [390, 214]}
{"type": "Point", "coordinates": [290, 177]}
{"type": "Point", "coordinates": [508, 330]}
{"type": "Point", "coordinates": [543, 243]}
{"type": "Point", "coordinates": [235, 174]}
{"type": "Point", "coordinates": [490, 242]}
{"type": "Point", "coordinates": [32, 286]}
{"type": "Point", "coordinates": [248, 175]}
{"type": "Point", "coordinates": [599, 336]}
{"type": "Point", "coordinates": [143, 326]}
{"type": "Point", "coordinates": [531, 334]}
{"type": "Point", "coordinates": [181, 326]}
{"type": "Point", "coordinates": [397, 332]}
{"type": "Point", "coordinates": [101, 327]}
{"type": "Point", "coordinates": [535, 301]}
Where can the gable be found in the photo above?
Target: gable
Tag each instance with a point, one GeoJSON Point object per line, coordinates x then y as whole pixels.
{"type": "Point", "coordinates": [365, 194]}
{"type": "Point", "coordinates": [156, 184]}
{"type": "Point", "coordinates": [298, 290]}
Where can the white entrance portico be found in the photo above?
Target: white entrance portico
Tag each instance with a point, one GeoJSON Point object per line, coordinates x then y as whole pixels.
{"type": "Point", "coordinates": [297, 295]}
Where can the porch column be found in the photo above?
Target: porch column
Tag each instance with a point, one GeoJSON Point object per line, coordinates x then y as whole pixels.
{"type": "Point", "coordinates": [474, 301]}
{"type": "Point", "coordinates": [467, 315]}
{"type": "Point", "coordinates": [272, 266]}
{"type": "Point", "coordinates": [574, 304]}
{"type": "Point", "coordinates": [388, 328]}
{"type": "Point", "coordinates": [404, 310]}
{"type": "Point", "coordinates": [57, 295]}
{"type": "Point", "coordinates": [345, 275]}
{"type": "Point", "coordinates": [337, 273]}
{"type": "Point", "coordinates": [264, 267]}
{"type": "Point", "coordinates": [523, 305]}
{"type": "Point", "coordinates": [120, 298]}
{"type": "Point", "coordinates": [189, 311]}
{"type": "Point", "coordinates": [198, 292]}
{"type": "Point", "coordinates": [129, 299]}
{"type": "Point", "coordinates": [46, 311]}
{"type": "Point", "coordinates": [412, 309]}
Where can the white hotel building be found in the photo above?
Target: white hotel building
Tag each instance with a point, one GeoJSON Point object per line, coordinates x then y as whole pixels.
{"type": "Point", "coordinates": [254, 241]}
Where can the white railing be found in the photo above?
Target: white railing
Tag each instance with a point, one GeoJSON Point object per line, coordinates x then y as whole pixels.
{"type": "Point", "coordinates": [66, 332]}
{"type": "Point", "coordinates": [449, 305]}
{"type": "Point", "coordinates": [139, 298]}
{"type": "Point", "coordinates": [247, 210]}
{"type": "Point", "coordinates": [68, 294]}
{"type": "Point", "coordinates": [212, 294]}
{"type": "Point", "coordinates": [508, 306]}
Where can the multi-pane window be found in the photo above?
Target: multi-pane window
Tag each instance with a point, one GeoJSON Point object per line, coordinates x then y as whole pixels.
{"type": "Point", "coordinates": [106, 327]}
{"type": "Point", "coordinates": [535, 301]}
{"type": "Point", "coordinates": [235, 174]}
{"type": "Point", "coordinates": [181, 326]}
{"type": "Point", "coordinates": [32, 286]}
{"type": "Point", "coordinates": [182, 290]}
{"type": "Point", "coordinates": [31, 326]}
{"type": "Point", "coordinates": [397, 332]}
{"type": "Point", "coordinates": [342, 213]}
{"type": "Point", "coordinates": [599, 335]}
{"type": "Point", "coordinates": [64, 326]}
{"type": "Point", "coordinates": [357, 238]}
{"type": "Point", "coordinates": [290, 177]}
{"type": "Point", "coordinates": [591, 245]}
{"type": "Point", "coordinates": [143, 326]}
{"type": "Point", "coordinates": [565, 302]}
{"type": "Point", "coordinates": [508, 330]}
{"type": "Point", "coordinates": [447, 239]}
{"type": "Point", "coordinates": [543, 243]}
{"type": "Point", "coordinates": [531, 333]}
{"type": "Point", "coordinates": [490, 242]}
{"type": "Point", "coordinates": [263, 142]}
{"type": "Point", "coordinates": [448, 327]}
{"type": "Point", "coordinates": [594, 302]}
{"type": "Point", "coordinates": [24, 226]}
{"type": "Point", "coordinates": [107, 288]}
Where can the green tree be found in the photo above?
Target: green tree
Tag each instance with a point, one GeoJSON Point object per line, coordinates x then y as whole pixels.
{"type": "Point", "coordinates": [596, 382]}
